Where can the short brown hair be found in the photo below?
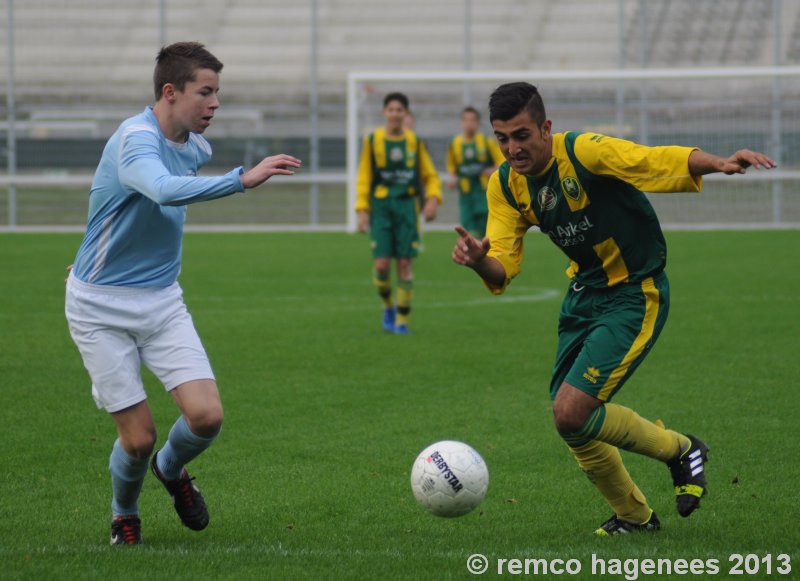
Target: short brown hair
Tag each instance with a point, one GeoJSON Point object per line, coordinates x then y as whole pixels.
{"type": "Point", "coordinates": [178, 62]}
{"type": "Point", "coordinates": [471, 110]}
{"type": "Point", "coordinates": [399, 97]}
{"type": "Point", "coordinates": [512, 98]}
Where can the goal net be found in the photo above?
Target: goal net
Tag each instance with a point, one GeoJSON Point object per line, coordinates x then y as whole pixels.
{"type": "Point", "coordinates": [718, 110]}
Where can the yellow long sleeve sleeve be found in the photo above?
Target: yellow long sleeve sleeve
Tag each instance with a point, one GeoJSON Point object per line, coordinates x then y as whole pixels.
{"type": "Point", "coordinates": [451, 158]}
{"type": "Point", "coordinates": [494, 151]}
{"type": "Point", "coordinates": [364, 182]}
{"type": "Point", "coordinates": [430, 178]}
{"type": "Point", "coordinates": [650, 169]}
{"type": "Point", "coordinates": [506, 229]}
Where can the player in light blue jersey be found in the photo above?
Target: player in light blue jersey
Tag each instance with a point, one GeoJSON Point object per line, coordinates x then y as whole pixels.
{"type": "Point", "coordinates": [124, 305]}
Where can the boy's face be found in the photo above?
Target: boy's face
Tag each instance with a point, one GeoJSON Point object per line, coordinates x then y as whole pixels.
{"type": "Point", "coordinates": [470, 123]}
{"type": "Point", "coordinates": [194, 106]}
{"type": "Point", "coordinates": [524, 144]}
{"type": "Point", "coordinates": [395, 115]}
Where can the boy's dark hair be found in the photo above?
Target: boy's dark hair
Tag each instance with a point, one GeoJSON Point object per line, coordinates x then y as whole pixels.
{"type": "Point", "coordinates": [178, 63]}
{"type": "Point", "coordinates": [472, 110]}
{"type": "Point", "coordinates": [399, 97]}
{"type": "Point", "coordinates": [510, 99]}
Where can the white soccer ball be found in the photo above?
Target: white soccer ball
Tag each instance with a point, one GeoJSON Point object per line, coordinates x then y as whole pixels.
{"type": "Point", "coordinates": [449, 478]}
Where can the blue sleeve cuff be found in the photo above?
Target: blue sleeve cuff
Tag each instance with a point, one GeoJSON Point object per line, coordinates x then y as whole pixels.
{"type": "Point", "coordinates": [237, 173]}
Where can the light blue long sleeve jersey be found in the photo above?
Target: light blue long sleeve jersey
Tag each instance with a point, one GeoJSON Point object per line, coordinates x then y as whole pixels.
{"type": "Point", "coordinates": [137, 204]}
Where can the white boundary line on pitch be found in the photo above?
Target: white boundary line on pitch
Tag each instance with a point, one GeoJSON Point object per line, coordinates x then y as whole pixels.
{"type": "Point", "coordinates": [277, 549]}
{"type": "Point", "coordinates": [279, 303]}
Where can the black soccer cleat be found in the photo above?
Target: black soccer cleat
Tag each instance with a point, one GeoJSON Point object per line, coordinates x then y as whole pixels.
{"type": "Point", "coordinates": [126, 530]}
{"type": "Point", "coordinates": [689, 477]}
{"type": "Point", "coordinates": [188, 501]}
{"type": "Point", "coordinates": [617, 526]}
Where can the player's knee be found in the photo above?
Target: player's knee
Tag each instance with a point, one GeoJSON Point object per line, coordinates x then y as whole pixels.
{"type": "Point", "coordinates": [404, 269]}
{"type": "Point", "coordinates": [568, 419]}
{"type": "Point", "coordinates": [208, 422]}
{"type": "Point", "coordinates": [382, 266]}
{"type": "Point", "coordinates": [140, 445]}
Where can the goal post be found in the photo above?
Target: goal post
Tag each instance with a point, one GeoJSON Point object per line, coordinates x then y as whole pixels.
{"type": "Point", "coordinates": [718, 109]}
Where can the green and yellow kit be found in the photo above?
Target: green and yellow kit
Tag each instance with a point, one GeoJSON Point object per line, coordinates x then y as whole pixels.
{"type": "Point", "coordinates": [468, 159]}
{"type": "Point", "coordinates": [391, 174]}
{"type": "Point", "coordinates": [589, 200]}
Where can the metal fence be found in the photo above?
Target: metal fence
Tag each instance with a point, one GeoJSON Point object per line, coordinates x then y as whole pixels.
{"type": "Point", "coordinates": [75, 68]}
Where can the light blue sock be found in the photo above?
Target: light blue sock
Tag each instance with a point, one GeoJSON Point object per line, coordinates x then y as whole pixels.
{"type": "Point", "coordinates": [127, 475]}
{"type": "Point", "coordinates": [182, 447]}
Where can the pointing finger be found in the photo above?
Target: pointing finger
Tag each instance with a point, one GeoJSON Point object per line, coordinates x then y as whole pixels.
{"type": "Point", "coordinates": [462, 232]}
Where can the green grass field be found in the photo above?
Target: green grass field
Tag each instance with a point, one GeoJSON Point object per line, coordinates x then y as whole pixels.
{"type": "Point", "coordinates": [325, 414]}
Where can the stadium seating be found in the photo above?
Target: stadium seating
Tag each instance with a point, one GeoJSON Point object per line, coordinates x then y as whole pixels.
{"type": "Point", "coordinates": [92, 56]}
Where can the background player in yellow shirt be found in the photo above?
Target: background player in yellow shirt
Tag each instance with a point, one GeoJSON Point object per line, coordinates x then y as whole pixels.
{"type": "Point", "coordinates": [471, 159]}
{"type": "Point", "coordinates": [395, 167]}
{"type": "Point", "coordinates": [584, 190]}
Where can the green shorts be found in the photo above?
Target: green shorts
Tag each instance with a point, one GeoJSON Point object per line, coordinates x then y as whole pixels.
{"type": "Point", "coordinates": [394, 227]}
{"type": "Point", "coordinates": [474, 211]}
{"type": "Point", "coordinates": [604, 334]}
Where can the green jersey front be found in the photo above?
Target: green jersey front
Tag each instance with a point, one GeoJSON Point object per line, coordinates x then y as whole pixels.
{"type": "Point", "coordinates": [394, 168]}
{"type": "Point", "coordinates": [589, 200]}
{"type": "Point", "coordinates": [468, 159]}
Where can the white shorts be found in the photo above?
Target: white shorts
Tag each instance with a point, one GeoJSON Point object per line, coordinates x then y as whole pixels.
{"type": "Point", "coordinates": [117, 329]}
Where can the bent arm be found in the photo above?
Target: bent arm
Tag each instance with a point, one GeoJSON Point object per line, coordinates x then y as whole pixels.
{"type": "Point", "coordinates": [505, 231]}
{"type": "Point", "coordinates": [364, 182]}
{"type": "Point", "coordinates": [494, 151]}
{"type": "Point", "coordinates": [432, 185]}
{"type": "Point", "coordinates": [451, 159]}
{"type": "Point", "coordinates": [142, 170]}
{"type": "Point", "coordinates": [492, 271]}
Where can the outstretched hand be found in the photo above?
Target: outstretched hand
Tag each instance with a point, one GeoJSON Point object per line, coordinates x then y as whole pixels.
{"type": "Point", "coordinates": [469, 251]}
{"type": "Point", "coordinates": [270, 166]}
{"type": "Point", "coordinates": [744, 158]}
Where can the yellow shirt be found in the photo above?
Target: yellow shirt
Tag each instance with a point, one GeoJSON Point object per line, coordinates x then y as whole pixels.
{"type": "Point", "coordinates": [589, 201]}
{"type": "Point", "coordinates": [469, 158]}
{"type": "Point", "coordinates": [392, 167]}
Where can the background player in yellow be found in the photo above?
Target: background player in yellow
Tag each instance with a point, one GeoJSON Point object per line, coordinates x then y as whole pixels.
{"type": "Point", "coordinates": [395, 167]}
{"type": "Point", "coordinates": [584, 190]}
{"type": "Point", "coordinates": [471, 158]}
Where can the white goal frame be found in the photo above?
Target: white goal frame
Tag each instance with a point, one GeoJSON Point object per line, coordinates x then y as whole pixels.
{"type": "Point", "coordinates": [356, 79]}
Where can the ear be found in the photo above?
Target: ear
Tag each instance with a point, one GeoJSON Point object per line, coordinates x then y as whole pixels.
{"type": "Point", "coordinates": [546, 128]}
{"type": "Point", "coordinates": [168, 92]}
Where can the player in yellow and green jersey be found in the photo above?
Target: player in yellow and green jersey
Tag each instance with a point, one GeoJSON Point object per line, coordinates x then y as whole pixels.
{"type": "Point", "coordinates": [471, 158]}
{"type": "Point", "coordinates": [584, 190]}
{"type": "Point", "coordinates": [395, 167]}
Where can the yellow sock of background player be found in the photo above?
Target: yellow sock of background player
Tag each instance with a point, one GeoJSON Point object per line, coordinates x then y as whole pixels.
{"type": "Point", "coordinates": [383, 284]}
{"type": "Point", "coordinates": [405, 292]}
{"type": "Point", "coordinates": [624, 428]}
{"type": "Point", "coordinates": [603, 465]}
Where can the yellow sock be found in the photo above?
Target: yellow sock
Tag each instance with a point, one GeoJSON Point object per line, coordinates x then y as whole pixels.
{"type": "Point", "coordinates": [603, 465]}
{"type": "Point", "coordinates": [624, 428]}
{"type": "Point", "coordinates": [405, 292]}
{"type": "Point", "coordinates": [384, 286]}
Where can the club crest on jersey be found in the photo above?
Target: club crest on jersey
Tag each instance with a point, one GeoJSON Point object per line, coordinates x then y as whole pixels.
{"type": "Point", "coordinates": [548, 198]}
{"type": "Point", "coordinates": [396, 154]}
{"type": "Point", "coordinates": [469, 153]}
{"type": "Point", "coordinates": [571, 188]}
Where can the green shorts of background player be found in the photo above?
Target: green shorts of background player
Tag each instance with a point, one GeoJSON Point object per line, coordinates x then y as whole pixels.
{"type": "Point", "coordinates": [395, 166]}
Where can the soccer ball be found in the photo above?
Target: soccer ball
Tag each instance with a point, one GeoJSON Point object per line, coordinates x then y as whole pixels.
{"type": "Point", "coordinates": [449, 478]}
